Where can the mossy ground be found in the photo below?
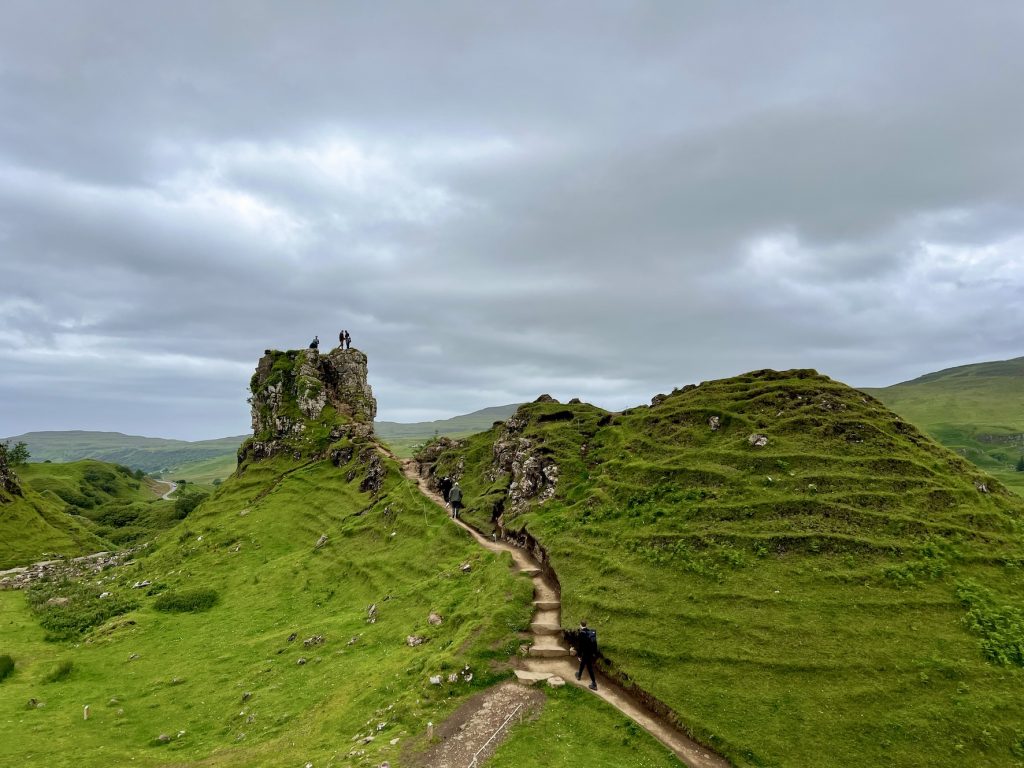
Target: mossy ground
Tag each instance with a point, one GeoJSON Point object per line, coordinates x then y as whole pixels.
{"type": "Point", "coordinates": [795, 604]}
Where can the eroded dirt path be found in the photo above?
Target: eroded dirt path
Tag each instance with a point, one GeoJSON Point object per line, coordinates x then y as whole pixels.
{"type": "Point", "coordinates": [549, 656]}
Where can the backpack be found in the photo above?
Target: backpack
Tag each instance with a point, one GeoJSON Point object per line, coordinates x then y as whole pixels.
{"type": "Point", "coordinates": [588, 641]}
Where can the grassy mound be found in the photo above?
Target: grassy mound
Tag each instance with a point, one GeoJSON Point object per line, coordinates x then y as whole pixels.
{"type": "Point", "coordinates": [839, 595]}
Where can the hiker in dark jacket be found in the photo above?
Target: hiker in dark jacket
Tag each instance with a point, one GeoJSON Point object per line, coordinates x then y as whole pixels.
{"type": "Point", "coordinates": [315, 343]}
{"type": "Point", "coordinates": [586, 647]}
{"type": "Point", "coordinates": [455, 499]}
{"type": "Point", "coordinates": [444, 485]}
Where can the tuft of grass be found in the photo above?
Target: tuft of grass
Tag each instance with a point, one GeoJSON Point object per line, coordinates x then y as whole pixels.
{"type": "Point", "coordinates": [67, 609]}
{"type": "Point", "coordinates": [60, 672]}
{"type": "Point", "coordinates": [187, 601]}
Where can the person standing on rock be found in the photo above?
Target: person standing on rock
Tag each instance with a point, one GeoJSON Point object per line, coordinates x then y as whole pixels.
{"type": "Point", "coordinates": [341, 339]}
{"type": "Point", "coordinates": [455, 499]}
{"type": "Point", "coordinates": [587, 649]}
{"type": "Point", "coordinates": [348, 340]}
{"type": "Point", "coordinates": [315, 343]}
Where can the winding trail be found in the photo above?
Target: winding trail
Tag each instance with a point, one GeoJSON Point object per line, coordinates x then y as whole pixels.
{"type": "Point", "coordinates": [171, 488]}
{"type": "Point", "coordinates": [549, 656]}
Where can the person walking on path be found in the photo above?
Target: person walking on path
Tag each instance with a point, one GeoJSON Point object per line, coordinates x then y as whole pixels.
{"type": "Point", "coordinates": [587, 649]}
{"type": "Point", "coordinates": [455, 499]}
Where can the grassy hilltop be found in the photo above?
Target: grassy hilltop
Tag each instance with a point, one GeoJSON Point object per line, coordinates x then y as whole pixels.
{"type": "Point", "coordinates": [844, 595]}
{"type": "Point", "coordinates": [975, 410]}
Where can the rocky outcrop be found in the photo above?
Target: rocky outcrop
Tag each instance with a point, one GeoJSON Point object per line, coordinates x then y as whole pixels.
{"type": "Point", "coordinates": [303, 402]}
{"type": "Point", "coordinates": [534, 476]}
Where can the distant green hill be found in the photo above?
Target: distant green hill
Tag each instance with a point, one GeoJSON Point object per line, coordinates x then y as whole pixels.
{"type": "Point", "coordinates": [976, 410]}
{"type": "Point", "coordinates": [402, 438]}
{"type": "Point", "coordinates": [798, 573]}
{"type": "Point", "coordinates": [150, 454]}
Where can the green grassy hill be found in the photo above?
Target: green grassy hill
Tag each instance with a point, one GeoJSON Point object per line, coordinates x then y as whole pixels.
{"type": "Point", "coordinates": [34, 524]}
{"type": "Point", "coordinates": [78, 508]}
{"type": "Point", "coordinates": [224, 681]}
{"type": "Point", "coordinates": [975, 410]}
{"type": "Point", "coordinates": [403, 438]}
{"type": "Point", "coordinates": [846, 594]}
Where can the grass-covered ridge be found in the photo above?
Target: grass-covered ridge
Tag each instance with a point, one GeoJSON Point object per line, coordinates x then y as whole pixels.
{"type": "Point", "coordinates": [822, 600]}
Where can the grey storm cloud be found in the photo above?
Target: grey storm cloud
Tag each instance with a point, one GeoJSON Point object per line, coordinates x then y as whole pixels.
{"type": "Point", "coordinates": [600, 199]}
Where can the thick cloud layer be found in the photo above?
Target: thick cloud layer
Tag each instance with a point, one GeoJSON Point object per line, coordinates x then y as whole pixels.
{"type": "Point", "coordinates": [601, 200]}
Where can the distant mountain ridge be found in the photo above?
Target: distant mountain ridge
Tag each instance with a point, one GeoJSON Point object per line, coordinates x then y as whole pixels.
{"type": "Point", "coordinates": [150, 454]}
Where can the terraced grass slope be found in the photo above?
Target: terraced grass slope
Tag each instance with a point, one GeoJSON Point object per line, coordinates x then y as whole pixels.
{"type": "Point", "coordinates": [845, 594]}
{"type": "Point", "coordinates": [975, 410]}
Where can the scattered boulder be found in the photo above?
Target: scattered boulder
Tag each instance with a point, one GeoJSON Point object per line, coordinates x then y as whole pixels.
{"type": "Point", "coordinates": [758, 440]}
{"type": "Point", "coordinates": [371, 614]}
{"type": "Point", "coordinates": [301, 661]}
{"type": "Point", "coordinates": [982, 487]}
{"type": "Point", "coordinates": [465, 567]}
{"type": "Point", "coordinates": [434, 619]}
{"type": "Point", "coordinates": [315, 640]}
{"type": "Point", "coordinates": [413, 640]}
{"type": "Point", "coordinates": [163, 738]}
{"type": "Point", "coordinates": [435, 679]}
{"type": "Point", "coordinates": [715, 422]}
{"type": "Point", "coordinates": [321, 541]}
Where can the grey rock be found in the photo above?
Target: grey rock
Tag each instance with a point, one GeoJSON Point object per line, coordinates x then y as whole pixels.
{"type": "Point", "coordinates": [413, 640]}
{"type": "Point", "coordinates": [321, 541]}
{"type": "Point", "coordinates": [434, 619]}
{"type": "Point", "coordinates": [715, 422]}
{"type": "Point", "coordinates": [758, 440]}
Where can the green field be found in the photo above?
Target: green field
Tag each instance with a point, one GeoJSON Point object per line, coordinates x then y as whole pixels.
{"type": "Point", "coordinates": [844, 595]}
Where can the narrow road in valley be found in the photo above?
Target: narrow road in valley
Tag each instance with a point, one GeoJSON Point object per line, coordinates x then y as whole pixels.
{"type": "Point", "coordinates": [171, 488]}
{"type": "Point", "coordinates": [550, 657]}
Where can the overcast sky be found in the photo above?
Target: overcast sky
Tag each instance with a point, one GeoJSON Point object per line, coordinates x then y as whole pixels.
{"type": "Point", "coordinates": [593, 199]}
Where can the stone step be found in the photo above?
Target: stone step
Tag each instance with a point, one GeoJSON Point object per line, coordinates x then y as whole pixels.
{"type": "Point", "coordinates": [545, 629]}
{"type": "Point", "coordinates": [528, 677]}
{"type": "Point", "coordinates": [547, 605]}
{"type": "Point", "coordinates": [548, 652]}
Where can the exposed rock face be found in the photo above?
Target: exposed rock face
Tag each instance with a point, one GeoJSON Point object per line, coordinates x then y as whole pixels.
{"type": "Point", "coordinates": [534, 476]}
{"type": "Point", "coordinates": [303, 400]}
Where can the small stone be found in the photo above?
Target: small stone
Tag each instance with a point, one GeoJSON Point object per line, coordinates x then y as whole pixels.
{"type": "Point", "coordinates": [413, 640]}
{"type": "Point", "coordinates": [367, 739]}
{"type": "Point", "coordinates": [246, 696]}
{"type": "Point", "coordinates": [434, 619]}
{"type": "Point", "coordinates": [301, 661]}
{"type": "Point", "coordinates": [435, 679]}
{"type": "Point", "coordinates": [243, 513]}
{"type": "Point", "coordinates": [163, 738]}
{"type": "Point", "coordinates": [453, 677]}
{"type": "Point", "coordinates": [133, 657]}
{"type": "Point", "coordinates": [321, 541]}
{"type": "Point", "coordinates": [715, 422]}
{"type": "Point", "coordinates": [556, 682]}
{"type": "Point", "coordinates": [180, 734]}
{"type": "Point", "coordinates": [105, 595]}
{"type": "Point", "coordinates": [465, 567]}
{"type": "Point", "coordinates": [141, 584]}
{"type": "Point", "coordinates": [292, 636]}
{"type": "Point", "coordinates": [393, 741]}
{"type": "Point", "coordinates": [381, 726]}
{"type": "Point", "coordinates": [757, 440]}
{"type": "Point", "coordinates": [113, 702]}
